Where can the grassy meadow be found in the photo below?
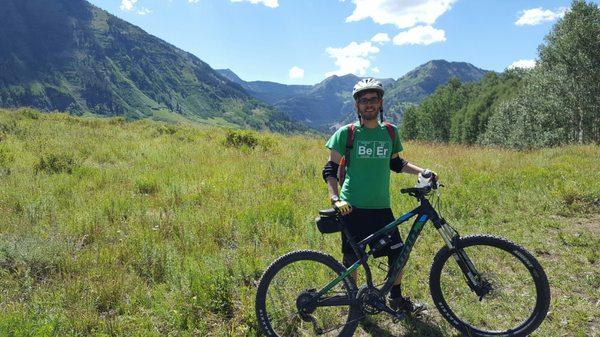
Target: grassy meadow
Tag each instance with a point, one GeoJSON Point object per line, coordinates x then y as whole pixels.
{"type": "Point", "coordinates": [116, 228]}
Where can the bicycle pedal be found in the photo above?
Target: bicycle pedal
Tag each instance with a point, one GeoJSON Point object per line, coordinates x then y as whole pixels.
{"type": "Point", "coordinates": [399, 316]}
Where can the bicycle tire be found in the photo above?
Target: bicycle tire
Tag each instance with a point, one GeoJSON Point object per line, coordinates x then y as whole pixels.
{"type": "Point", "coordinates": [318, 259]}
{"type": "Point", "coordinates": [495, 249]}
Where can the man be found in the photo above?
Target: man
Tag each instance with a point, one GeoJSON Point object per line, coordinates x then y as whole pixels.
{"type": "Point", "coordinates": [365, 198]}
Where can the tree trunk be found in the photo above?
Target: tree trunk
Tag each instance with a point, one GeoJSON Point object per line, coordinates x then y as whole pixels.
{"type": "Point", "coordinates": [580, 127]}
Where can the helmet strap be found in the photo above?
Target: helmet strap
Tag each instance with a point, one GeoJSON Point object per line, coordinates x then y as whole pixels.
{"type": "Point", "coordinates": [381, 114]}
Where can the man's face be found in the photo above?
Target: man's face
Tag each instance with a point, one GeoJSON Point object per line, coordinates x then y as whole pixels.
{"type": "Point", "coordinates": [368, 105]}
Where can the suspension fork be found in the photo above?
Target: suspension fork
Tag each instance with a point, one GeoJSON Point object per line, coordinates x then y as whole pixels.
{"type": "Point", "coordinates": [451, 238]}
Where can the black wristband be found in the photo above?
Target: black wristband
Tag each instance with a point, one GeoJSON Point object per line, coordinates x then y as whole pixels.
{"type": "Point", "coordinates": [330, 170]}
{"type": "Point", "coordinates": [397, 164]}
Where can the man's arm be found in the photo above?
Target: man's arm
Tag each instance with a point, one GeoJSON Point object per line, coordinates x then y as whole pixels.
{"type": "Point", "coordinates": [408, 167]}
{"type": "Point", "coordinates": [330, 176]}
{"type": "Point", "coordinates": [412, 169]}
{"type": "Point", "coordinates": [332, 183]}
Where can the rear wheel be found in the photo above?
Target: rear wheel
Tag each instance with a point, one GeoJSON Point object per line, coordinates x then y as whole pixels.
{"type": "Point", "coordinates": [517, 295]}
{"type": "Point", "coordinates": [293, 280]}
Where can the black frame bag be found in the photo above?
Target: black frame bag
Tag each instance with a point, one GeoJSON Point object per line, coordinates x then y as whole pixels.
{"type": "Point", "coordinates": [328, 223]}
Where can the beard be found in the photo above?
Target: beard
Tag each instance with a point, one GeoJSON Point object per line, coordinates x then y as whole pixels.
{"type": "Point", "coordinates": [369, 115]}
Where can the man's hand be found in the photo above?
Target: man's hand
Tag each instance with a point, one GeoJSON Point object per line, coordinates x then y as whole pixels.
{"type": "Point", "coordinates": [340, 205]}
{"type": "Point", "coordinates": [429, 174]}
{"type": "Point", "coordinates": [432, 176]}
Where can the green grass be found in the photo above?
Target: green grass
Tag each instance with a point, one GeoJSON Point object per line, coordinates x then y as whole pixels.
{"type": "Point", "coordinates": [115, 228]}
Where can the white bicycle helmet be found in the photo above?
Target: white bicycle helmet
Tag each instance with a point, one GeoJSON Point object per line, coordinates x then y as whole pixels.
{"type": "Point", "coordinates": [367, 84]}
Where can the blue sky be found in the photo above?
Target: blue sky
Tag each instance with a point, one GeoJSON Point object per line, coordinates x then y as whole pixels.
{"type": "Point", "coordinates": [303, 41]}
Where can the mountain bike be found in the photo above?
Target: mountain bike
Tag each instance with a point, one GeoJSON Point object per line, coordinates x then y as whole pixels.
{"type": "Point", "coordinates": [482, 285]}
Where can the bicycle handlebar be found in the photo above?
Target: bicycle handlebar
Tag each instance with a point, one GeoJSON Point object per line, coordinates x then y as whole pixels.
{"type": "Point", "coordinates": [421, 190]}
{"type": "Point", "coordinates": [416, 190]}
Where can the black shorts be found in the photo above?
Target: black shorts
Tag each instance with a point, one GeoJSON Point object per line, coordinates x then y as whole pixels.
{"type": "Point", "coordinates": [362, 222]}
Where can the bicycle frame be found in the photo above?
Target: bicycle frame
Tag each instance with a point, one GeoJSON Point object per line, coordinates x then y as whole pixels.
{"type": "Point", "coordinates": [423, 213]}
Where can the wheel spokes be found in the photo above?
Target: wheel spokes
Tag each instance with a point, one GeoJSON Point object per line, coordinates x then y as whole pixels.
{"type": "Point", "coordinates": [511, 299]}
{"type": "Point", "coordinates": [292, 281]}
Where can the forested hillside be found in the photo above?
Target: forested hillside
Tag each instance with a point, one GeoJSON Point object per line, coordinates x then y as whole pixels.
{"type": "Point", "coordinates": [69, 55]}
{"type": "Point", "coordinates": [557, 102]}
{"type": "Point", "coordinates": [422, 81]}
{"type": "Point", "coordinates": [459, 112]}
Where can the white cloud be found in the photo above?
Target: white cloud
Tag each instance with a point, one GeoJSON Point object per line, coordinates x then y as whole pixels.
{"type": "Point", "coordinates": [535, 16]}
{"type": "Point", "coordinates": [525, 64]}
{"type": "Point", "coordinates": [296, 73]}
{"type": "Point", "coordinates": [268, 3]}
{"type": "Point", "coordinates": [424, 35]}
{"type": "Point", "coordinates": [352, 59]}
{"type": "Point", "coordinates": [375, 70]}
{"type": "Point", "coordinates": [144, 11]}
{"type": "Point", "coordinates": [380, 38]}
{"type": "Point", "coordinates": [127, 5]}
{"type": "Point", "coordinates": [402, 13]}
{"type": "Point", "coordinates": [191, 1]}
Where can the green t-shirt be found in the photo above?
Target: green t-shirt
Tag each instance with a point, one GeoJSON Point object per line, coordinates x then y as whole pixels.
{"type": "Point", "coordinates": [367, 182]}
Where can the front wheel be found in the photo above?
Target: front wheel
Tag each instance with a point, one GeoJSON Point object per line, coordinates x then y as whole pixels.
{"type": "Point", "coordinates": [515, 296]}
{"type": "Point", "coordinates": [294, 280]}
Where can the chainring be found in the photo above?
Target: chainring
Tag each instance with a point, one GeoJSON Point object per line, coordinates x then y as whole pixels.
{"type": "Point", "coordinates": [367, 296]}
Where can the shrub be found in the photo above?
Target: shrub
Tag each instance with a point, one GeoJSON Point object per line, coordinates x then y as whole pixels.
{"type": "Point", "coordinates": [241, 138]}
{"type": "Point", "coordinates": [8, 127]}
{"type": "Point", "coordinates": [31, 256]}
{"type": "Point", "coordinates": [267, 143]}
{"type": "Point", "coordinates": [29, 113]}
{"type": "Point", "coordinates": [165, 129]}
{"type": "Point", "coordinates": [146, 185]}
{"type": "Point", "coordinates": [120, 120]}
{"type": "Point", "coordinates": [56, 163]}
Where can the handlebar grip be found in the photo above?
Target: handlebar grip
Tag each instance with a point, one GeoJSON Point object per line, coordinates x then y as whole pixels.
{"type": "Point", "coordinates": [421, 190]}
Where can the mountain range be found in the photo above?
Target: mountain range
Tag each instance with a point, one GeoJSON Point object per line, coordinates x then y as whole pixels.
{"type": "Point", "coordinates": [329, 104]}
{"type": "Point", "coordinates": [69, 55]}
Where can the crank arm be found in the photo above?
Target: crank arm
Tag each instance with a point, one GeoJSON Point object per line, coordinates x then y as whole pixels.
{"type": "Point", "coordinates": [318, 330]}
{"type": "Point", "coordinates": [396, 314]}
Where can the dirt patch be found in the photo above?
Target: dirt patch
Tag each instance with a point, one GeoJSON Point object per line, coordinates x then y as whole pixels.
{"type": "Point", "coordinates": [591, 224]}
{"type": "Point", "coordinates": [383, 326]}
